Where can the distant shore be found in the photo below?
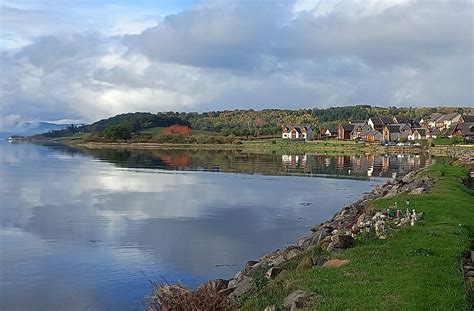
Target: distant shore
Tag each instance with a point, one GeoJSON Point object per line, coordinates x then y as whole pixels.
{"type": "Point", "coordinates": [267, 146]}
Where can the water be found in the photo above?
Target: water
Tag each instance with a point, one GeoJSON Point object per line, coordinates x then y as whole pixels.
{"type": "Point", "coordinates": [87, 230]}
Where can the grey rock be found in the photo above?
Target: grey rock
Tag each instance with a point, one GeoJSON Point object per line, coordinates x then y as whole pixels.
{"type": "Point", "coordinates": [241, 287]}
{"type": "Point", "coordinates": [272, 272]}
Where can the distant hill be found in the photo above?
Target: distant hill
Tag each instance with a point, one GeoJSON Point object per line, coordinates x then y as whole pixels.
{"type": "Point", "coordinates": [31, 128]}
{"type": "Point", "coordinates": [133, 122]}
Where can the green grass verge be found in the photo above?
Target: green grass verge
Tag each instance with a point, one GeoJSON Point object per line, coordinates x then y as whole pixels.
{"type": "Point", "coordinates": [417, 268]}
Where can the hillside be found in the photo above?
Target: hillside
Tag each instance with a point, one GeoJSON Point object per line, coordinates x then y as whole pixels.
{"type": "Point", "coordinates": [246, 122]}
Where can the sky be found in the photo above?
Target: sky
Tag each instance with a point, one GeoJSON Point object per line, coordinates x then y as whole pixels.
{"type": "Point", "coordinates": [80, 61]}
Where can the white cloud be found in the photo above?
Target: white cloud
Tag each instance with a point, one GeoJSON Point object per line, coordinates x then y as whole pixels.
{"type": "Point", "coordinates": [225, 55]}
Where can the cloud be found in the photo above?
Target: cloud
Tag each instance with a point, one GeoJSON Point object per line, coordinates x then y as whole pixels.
{"type": "Point", "coordinates": [227, 54]}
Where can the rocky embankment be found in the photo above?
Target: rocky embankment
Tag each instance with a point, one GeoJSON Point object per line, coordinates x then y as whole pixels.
{"type": "Point", "coordinates": [354, 221]}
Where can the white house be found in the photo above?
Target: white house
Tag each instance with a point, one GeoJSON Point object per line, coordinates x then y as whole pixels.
{"type": "Point", "coordinates": [297, 132]}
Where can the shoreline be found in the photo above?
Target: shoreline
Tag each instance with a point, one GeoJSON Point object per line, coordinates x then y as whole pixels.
{"type": "Point", "coordinates": [331, 236]}
{"type": "Point", "coordinates": [291, 148]}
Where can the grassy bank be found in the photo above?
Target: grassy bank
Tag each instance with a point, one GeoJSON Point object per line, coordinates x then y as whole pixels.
{"type": "Point", "coordinates": [417, 268]}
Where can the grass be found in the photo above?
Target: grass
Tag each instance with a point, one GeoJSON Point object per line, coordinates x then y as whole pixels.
{"type": "Point", "coordinates": [417, 268]}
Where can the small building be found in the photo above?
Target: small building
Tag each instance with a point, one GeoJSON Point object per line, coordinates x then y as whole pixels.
{"type": "Point", "coordinates": [330, 132]}
{"type": "Point", "coordinates": [465, 130]}
{"type": "Point", "coordinates": [297, 132]}
{"type": "Point", "coordinates": [344, 131]}
{"type": "Point", "coordinates": [373, 136]}
{"type": "Point", "coordinates": [378, 123]}
{"type": "Point", "coordinates": [430, 122]}
{"type": "Point", "coordinates": [417, 134]}
{"type": "Point", "coordinates": [360, 130]}
{"type": "Point", "coordinates": [394, 132]}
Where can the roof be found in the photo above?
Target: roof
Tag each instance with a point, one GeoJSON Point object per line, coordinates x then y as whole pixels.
{"type": "Point", "coordinates": [356, 121]}
{"type": "Point", "coordinates": [420, 130]}
{"type": "Point", "coordinates": [402, 119]}
{"type": "Point", "coordinates": [298, 128]}
{"type": "Point", "coordinates": [376, 121]}
{"type": "Point", "coordinates": [448, 117]}
{"type": "Point", "coordinates": [468, 118]}
{"type": "Point", "coordinates": [347, 127]}
{"type": "Point", "coordinates": [332, 129]}
{"type": "Point", "coordinates": [393, 128]}
{"type": "Point", "coordinates": [467, 128]}
{"type": "Point", "coordinates": [434, 116]}
{"type": "Point", "coordinates": [381, 121]}
{"type": "Point", "coordinates": [387, 120]}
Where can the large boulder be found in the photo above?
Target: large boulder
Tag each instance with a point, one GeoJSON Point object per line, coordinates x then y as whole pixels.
{"type": "Point", "coordinates": [241, 287]}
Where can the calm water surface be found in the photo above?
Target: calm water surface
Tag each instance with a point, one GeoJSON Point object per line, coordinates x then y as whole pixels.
{"type": "Point", "coordinates": [86, 230]}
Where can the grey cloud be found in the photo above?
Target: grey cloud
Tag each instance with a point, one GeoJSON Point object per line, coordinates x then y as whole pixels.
{"type": "Point", "coordinates": [226, 55]}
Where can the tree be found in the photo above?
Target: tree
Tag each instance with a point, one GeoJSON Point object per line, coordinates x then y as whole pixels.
{"type": "Point", "coordinates": [117, 132]}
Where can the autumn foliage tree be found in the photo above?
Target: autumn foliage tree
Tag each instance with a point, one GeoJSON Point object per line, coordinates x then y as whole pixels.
{"type": "Point", "coordinates": [177, 129]}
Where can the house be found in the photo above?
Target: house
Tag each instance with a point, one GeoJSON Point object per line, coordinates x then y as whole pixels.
{"type": "Point", "coordinates": [373, 136]}
{"type": "Point", "coordinates": [434, 133]}
{"type": "Point", "coordinates": [330, 132]}
{"type": "Point", "coordinates": [430, 122]}
{"type": "Point", "coordinates": [297, 132]}
{"type": "Point", "coordinates": [393, 132]}
{"type": "Point", "coordinates": [344, 131]}
{"type": "Point", "coordinates": [464, 129]}
{"type": "Point", "coordinates": [378, 123]}
{"type": "Point", "coordinates": [448, 120]}
{"type": "Point", "coordinates": [360, 130]}
{"type": "Point", "coordinates": [417, 134]}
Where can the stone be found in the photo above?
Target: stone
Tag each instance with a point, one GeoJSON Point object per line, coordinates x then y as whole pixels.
{"type": "Point", "coordinates": [273, 308]}
{"type": "Point", "coordinates": [296, 300]}
{"type": "Point", "coordinates": [342, 241]}
{"type": "Point", "coordinates": [470, 274]}
{"type": "Point", "coordinates": [472, 256]}
{"type": "Point", "coordinates": [249, 264]}
{"type": "Point", "coordinates": [241, 287]}
{"type": "Point", "coordinates": [336, 263]}
{"type": "Point", "coordinates": [272, 272]}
